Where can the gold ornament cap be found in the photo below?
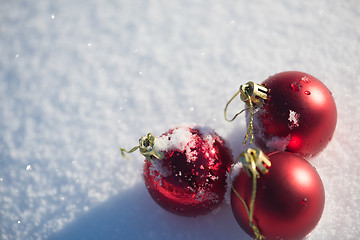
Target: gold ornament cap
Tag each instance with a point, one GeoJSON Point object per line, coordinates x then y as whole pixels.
{"type": "Point", "coordinates": [254, 162]}
{"type": "Point", "coordinates": [147, 148]}
{"type": "Point", "coordinates": [253, 92]}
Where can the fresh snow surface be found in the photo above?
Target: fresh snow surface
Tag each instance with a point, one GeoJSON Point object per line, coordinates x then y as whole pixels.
{"type": "Point", "coordinates": [80, 79]}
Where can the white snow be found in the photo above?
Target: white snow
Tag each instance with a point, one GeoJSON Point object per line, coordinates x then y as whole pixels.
{"type": "Point", "coordinates": [293, 119]}
{"type": "Point", "coordinates": [276, 143]}
{"type": "Point", "coordinates": [235, 170]}
{"type": "Point", "coordinates": [79, 80]}
{"type": "Point", "coordinates": [180, 139]}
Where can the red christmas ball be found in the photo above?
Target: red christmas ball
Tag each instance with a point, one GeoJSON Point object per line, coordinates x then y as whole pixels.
{"type": "Point", "coordinates": [299, 115]}
{"type": "Point", "coordinates": [289, 198]}
{"type": "Point", "coordinates": [191, 178]}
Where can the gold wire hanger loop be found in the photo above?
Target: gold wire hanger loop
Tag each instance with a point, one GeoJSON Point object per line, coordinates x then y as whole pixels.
{"type": "Point", "coordinates": [252, 94]}
{"type": "Point", "coordinates": [255, 163]}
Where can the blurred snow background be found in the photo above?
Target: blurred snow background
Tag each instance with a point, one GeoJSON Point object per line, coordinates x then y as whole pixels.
{"type": "Point", "coordinates": [80, 79]}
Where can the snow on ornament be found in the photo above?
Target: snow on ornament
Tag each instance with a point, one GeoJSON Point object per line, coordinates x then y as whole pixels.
{"type": "Point", "coordinates": [276, 196]}
{"type": "Point", "coordinates": [290, 111]}
{"type": "Point", "coordinates": [185, 169]}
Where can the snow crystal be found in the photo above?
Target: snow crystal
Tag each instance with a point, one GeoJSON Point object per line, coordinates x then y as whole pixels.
{"type": "Point", "coordinates": [294, 119]}
{"type": "Point", "coordinates": [305, 79]}
{"type": "Point", "coordinates": [182, 139]}
{"type": "Point", "coordinates": [205, 131]}
{"type": "Point", "coordinates": [275, 143]}
{"type": "Point", "coordinates": [158, 171]}
{"type": "Point", "coordinates": [177, 140]}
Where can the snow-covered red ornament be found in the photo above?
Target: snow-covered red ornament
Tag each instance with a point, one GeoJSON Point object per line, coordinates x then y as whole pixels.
{"type": "Point", "coordinates": [291, 111]}
{"type": "Point", "coordinates": [185, 170]}
{"type": "Point", "coordinates": [278, 196]}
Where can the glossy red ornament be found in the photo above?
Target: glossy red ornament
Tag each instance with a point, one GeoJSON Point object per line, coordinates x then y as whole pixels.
{"type": "Point", "coordinates": [191, 178]}
{"type": "Point", "coordinates": [299, 115]}
{"type": "Point", "coordinates": [289, 199]}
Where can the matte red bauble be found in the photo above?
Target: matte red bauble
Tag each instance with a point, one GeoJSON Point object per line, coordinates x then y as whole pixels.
{"type": "Point", "coordinates": [188, 176]}
{"type": "Point", "coordinates": [289, 198]}
{"type": "Point", "coordinates": [299, 114]}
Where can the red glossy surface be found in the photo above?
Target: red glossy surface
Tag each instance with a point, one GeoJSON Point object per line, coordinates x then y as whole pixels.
{"type": "Point", "coordinates": [289, 200]}
{"type": "Point", "coordinates": [190, 186]}
{"type": "Point", "coordinates": [300, 111]}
